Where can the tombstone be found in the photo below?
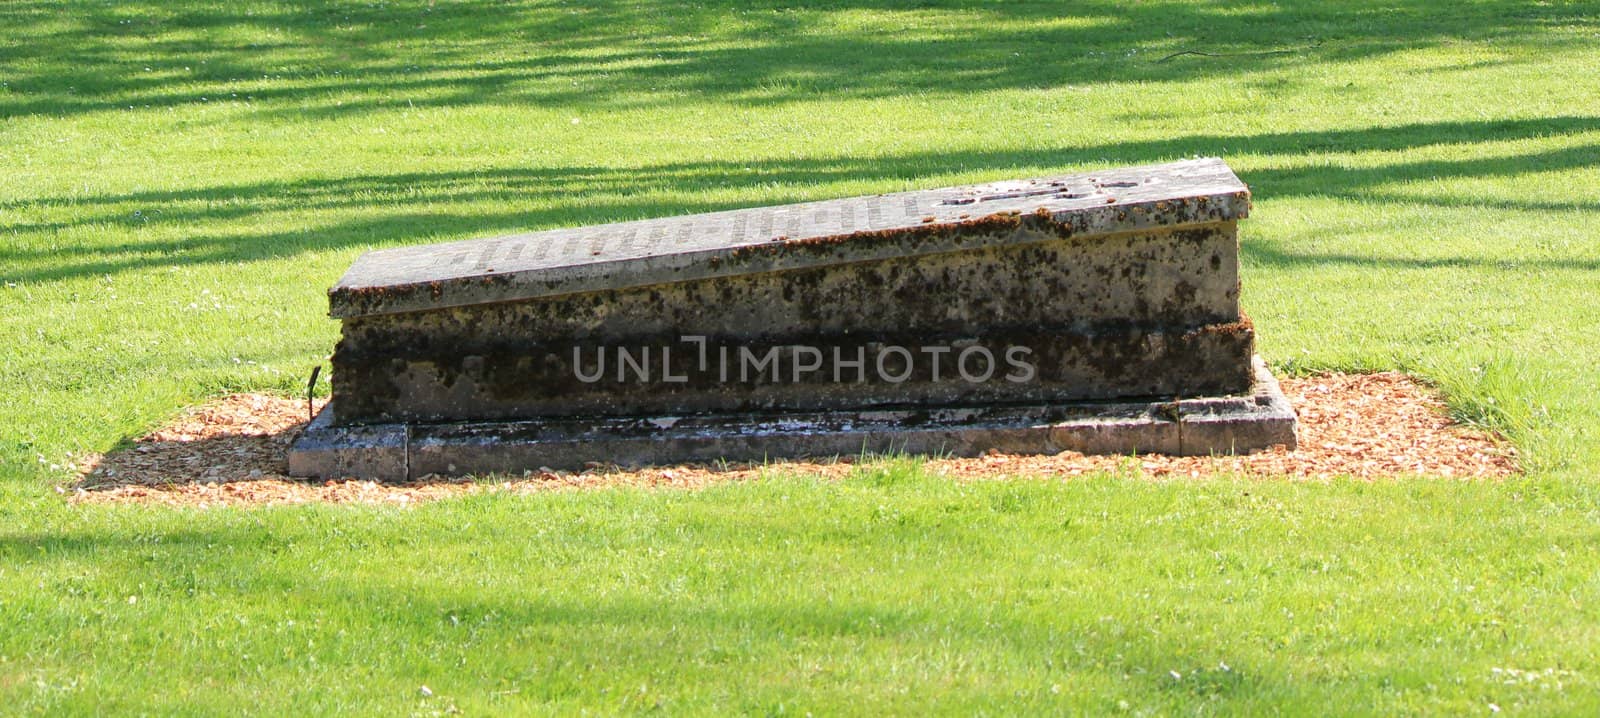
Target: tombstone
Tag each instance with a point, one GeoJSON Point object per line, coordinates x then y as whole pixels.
{"type": "Point", "coordinates": [1094, 312]}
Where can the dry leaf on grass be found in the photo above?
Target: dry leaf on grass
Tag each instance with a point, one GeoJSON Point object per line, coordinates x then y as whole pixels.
{"type": "Point", "coordinates": [232, 451]}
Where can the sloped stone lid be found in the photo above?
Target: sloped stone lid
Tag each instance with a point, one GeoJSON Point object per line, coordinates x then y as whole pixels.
{"type": "Point", "coordinates": [768, 239]}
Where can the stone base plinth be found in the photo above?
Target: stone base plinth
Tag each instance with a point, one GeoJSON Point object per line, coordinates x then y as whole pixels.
{"type": "Point", "coordinates": [1259, 419]}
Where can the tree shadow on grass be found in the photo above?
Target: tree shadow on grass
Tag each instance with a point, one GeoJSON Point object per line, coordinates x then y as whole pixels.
{"type": "Point", "coordinates": [235, 450]}
{"type": "Point", "coordinates": [397, 588]}
{"type": "Point", "coordinates": [338, 58]}
{"type": "Point", "coordinates": [394, 207]}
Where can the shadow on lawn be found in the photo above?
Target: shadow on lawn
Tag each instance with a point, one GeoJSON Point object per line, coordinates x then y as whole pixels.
{"type": "Point", "coordinates": [240, 437]}
{"type": "Point", "coordinates": [385, 578]}
{"type": "Point", "coordinates": [399, 200]}
{"type": "Point", "coordinates": [235, 450]}
{"type": "Point", "coordinates": [338, 58]}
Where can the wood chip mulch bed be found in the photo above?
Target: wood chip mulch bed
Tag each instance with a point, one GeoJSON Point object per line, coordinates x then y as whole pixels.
{"type": "Point", "coordinates": [231, 451]}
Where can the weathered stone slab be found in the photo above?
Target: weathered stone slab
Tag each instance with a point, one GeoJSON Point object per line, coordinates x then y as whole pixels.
{"type": "Point", "coordinates": [493, 379]}
{"type": "Point", "coordinates": [771, 239]}
{"type": "Point", "coordinates": [1036, 302]}
{"type": "Point", "coordinates": [1078, 287]}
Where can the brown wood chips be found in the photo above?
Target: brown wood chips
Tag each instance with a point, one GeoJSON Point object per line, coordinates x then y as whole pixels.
{"type": "Point", "coordinates": [231, 451]}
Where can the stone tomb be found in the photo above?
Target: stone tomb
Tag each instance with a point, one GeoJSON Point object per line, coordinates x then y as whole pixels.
{"type": "Point", "coordinates": [1097, 312]}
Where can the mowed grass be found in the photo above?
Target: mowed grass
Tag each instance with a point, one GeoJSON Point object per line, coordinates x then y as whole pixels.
{"type": "Point", "coordinates": [892, 591]}
{"type": "Point", "coordinates": [182, 181]}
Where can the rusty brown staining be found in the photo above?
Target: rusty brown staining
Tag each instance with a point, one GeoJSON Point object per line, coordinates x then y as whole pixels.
{"type": "Point", "coordinates": [358, 292]}
{"type": "Point", "coordinates": [1243, 327]}
{"type": "Point", "coordinates": [378, 297]}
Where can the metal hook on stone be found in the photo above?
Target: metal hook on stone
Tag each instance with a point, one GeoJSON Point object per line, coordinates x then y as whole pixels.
{"type": "Point", "coordinates": [311, 387]}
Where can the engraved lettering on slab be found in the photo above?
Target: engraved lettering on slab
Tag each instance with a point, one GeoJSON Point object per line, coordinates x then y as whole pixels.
{"type": "Point", "coordinates": [875, 218]}
{"type": "Point", "coordinates": [765, 230]}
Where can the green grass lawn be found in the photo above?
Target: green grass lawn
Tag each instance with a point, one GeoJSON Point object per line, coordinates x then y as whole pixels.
{"type": "Point", "coordinates": [181, 181]}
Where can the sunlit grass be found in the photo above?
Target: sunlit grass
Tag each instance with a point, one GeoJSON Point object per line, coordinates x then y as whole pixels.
{"type": "Point", "coordinates": [182, 181]}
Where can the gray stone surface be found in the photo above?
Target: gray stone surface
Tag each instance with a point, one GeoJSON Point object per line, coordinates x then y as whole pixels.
{"type": "Point", "coordinates": [769, 239]}
{"type": "Point", "coordinates": [1034, 315]}
{"type": "Point", "coordinates": [1258, 419]}
{"type": "Point", "coordinates": [380, 451]}
{"type": "Point", "coordinates": [1103, 306]}
{"type": "Point", "coordinates": [467, 379]}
